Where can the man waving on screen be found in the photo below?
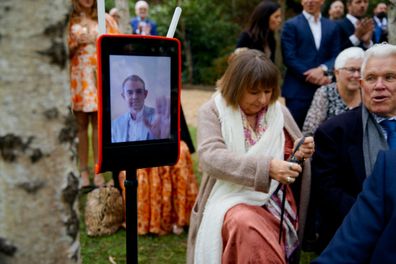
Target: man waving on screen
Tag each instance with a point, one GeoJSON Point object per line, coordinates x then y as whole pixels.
{"type": "Point", "coordinates": [133, 125]}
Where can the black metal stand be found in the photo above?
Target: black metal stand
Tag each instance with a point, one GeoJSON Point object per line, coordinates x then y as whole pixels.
{"type": "Point", "coordinates": [131, 185]}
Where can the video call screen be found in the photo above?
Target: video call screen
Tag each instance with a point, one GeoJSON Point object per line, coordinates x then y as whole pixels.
{"type": "Point", "coordinates": [139, 81]}
{"type": "Point", "coordinates": [140, 98]}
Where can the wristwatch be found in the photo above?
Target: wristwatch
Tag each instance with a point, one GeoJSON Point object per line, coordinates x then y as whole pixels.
{"type": "Point", "coordinates": [324, 69]}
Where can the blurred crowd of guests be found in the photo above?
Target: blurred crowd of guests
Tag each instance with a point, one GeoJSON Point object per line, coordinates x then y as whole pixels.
{"type": "Point", "coordinates": [339, 87]}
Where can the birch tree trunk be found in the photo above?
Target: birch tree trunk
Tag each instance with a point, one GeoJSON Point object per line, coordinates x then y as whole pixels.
{"type": "Point", "coordinates": [392, 22]}
{"type": "Point", "coordinates": [38, 184]}
{"type": "Point", "coordinates": [123, 9]}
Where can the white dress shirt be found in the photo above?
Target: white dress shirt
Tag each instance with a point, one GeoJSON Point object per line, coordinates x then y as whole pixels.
{"type": "Point", "coordinates": [315, 26]}
{"type": "Point", "coordinates": [125, 128]}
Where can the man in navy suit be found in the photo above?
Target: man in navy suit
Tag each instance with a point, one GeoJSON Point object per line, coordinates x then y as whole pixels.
{"type": "Point", "coordinates": [310, 44]}
{"type": "Point", "coordinates": [347, 145]}
{"type": "Point", "coordinates": [355, 29]}
{"type": "Point", "coordinates": [380, 20]}
{"type": "Point", "coordinates": [368, 232]}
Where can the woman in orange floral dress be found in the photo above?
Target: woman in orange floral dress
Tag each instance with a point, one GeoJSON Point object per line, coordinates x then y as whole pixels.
{"type": "Point", "coordinates": [83, 32]}
{"type": "Point", "coordinates": [166, 195]}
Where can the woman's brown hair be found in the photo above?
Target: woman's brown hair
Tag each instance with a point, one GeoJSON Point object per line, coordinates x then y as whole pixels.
{"type": "Point", "coordinates": [77, 9]}
{"type": "Point", "coordinates": [248, 70]}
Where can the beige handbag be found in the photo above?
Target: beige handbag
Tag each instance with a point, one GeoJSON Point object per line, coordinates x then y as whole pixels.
{"type": "Point", "coordinates": [103, 211]}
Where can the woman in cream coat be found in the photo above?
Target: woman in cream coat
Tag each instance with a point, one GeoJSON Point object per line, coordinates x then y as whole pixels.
{"type": "Point", "coordinates": [244, 139]}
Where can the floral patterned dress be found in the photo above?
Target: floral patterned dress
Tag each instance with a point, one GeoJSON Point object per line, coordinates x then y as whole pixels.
{"type": "Point", "coordinates": [83, 62]}
{"type": "Point", "coordinates": [326, 103]}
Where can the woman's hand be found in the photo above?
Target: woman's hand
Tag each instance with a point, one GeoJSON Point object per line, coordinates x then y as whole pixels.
{"type": "Point", "coordinates": [283, 171]}
{"type": "Point", "coordinates": [160, 127]}
{"type": "Point", "coordinates": [87, 37]}
{"type": "Point", "coordinates": [306, 149]}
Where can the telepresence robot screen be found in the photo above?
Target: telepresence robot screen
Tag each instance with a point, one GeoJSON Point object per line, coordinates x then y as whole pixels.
{"type": "Point", "coordinates": [139, 101]}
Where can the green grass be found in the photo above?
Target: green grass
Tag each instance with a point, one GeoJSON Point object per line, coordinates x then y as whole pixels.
{"type": "Point", "coordinates": [169, 249]}
{"type": "Point", "coordinates": [194, 156]}
{"type": "Point", "coordinates": [151, 249]}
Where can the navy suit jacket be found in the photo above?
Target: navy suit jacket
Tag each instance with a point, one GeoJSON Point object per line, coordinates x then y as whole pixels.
{"type": "Point", "coordinates": [368, 233]}
{"type": "Point", "coordinates": [346, 29]}
{"type": "Point", "coordinates": [338, 170]}
{"type": "Point", "coordinates": [300, 54]}
{"type": "Point", "coordinates": [135, 24]}
{"type": "Point", "coordinates": [379, 35]}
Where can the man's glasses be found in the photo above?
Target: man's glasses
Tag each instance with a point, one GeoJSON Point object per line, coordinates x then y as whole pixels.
{"type": "Point", "coordinates": [351, 70]}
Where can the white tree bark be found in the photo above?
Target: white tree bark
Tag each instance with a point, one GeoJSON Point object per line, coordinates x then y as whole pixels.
{"type": "Point", "coordinates": [392, 22]}
{"type": "Point", "coordinates": [38, 183]}
{"type": "Point", "coordinates": [123, 9]}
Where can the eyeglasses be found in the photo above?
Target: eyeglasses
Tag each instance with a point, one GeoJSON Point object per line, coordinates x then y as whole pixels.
{"type": "Point", "coordinates": [351, 70]}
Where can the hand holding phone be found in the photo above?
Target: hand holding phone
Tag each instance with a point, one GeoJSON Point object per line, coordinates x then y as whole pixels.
{"type": "Point", "coordinates": [304, 149]}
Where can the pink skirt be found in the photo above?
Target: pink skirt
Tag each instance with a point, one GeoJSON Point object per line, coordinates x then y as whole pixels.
{"type": "Point", "coordinates": [250, 235]}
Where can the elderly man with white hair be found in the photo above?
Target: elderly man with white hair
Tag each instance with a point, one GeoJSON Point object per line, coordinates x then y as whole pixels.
{"type": "Point", "coordinates": [141, 24]}
{"type": "Point", "coordinates": [347, 145]}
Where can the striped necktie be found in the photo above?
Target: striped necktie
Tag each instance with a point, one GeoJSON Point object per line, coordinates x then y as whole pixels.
{"type": "Point", "coordinates": [390, 127]}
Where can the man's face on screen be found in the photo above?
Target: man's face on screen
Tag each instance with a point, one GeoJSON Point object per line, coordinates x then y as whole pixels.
{"type": "Point", "coordinates": [134, 94]}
